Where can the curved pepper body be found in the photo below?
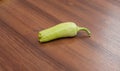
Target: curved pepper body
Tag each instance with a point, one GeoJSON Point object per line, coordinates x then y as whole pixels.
{"type": "Point", "coordinates": [67, 29]}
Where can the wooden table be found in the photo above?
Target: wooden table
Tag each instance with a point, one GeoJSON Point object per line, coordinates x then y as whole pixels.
{"type": "Point", "coordinates": [21, 20]}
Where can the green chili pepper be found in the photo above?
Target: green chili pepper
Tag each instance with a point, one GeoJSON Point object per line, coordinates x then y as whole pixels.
{"type": "Point", "coordinates": [67, 29]}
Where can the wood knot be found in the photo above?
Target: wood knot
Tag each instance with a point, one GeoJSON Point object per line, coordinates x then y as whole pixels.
{"type": "Point", "coordinates": [3, 2]}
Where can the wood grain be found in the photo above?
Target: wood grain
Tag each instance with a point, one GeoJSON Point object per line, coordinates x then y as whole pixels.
{"type": "Point", "coordinates": [21, 20]}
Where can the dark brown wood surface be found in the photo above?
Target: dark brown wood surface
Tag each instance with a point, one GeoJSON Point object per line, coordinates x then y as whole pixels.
{"type": "Point", "coordinates": [21, 20]}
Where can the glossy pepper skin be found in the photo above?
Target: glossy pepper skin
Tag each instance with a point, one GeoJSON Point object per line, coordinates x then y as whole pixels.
{"type": "Point", "coordinates": [66, 29]}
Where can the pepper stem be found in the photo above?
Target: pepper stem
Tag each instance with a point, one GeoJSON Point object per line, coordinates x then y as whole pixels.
{"type": "Point", "coordinates": [85, 29]}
